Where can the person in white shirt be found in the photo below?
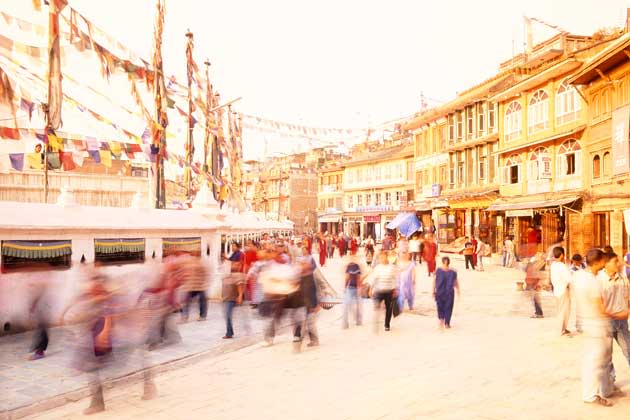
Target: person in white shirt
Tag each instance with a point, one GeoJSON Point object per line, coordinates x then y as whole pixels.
{"type": "Point", "coordinates": [598, 376]}
{"type": "Point", "coordinates": [481, 251]}
{"type": "Point", "coordinates": [414, 248]}
{"type": "Point", "coordinates": [561, 280]}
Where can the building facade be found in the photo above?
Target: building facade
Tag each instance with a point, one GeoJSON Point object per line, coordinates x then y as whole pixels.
{"type": "Point", "coordinates": [330, 198]}
{"type": "Point", "coordinates": [377, 183]}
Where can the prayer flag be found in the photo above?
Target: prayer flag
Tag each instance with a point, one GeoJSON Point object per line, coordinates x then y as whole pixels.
{"type": "Point", "coordinates": [106, 158]}
{"type": "Point", "coordinates": [17, 161]}
{"type": "Point", "coordinates": [95, 155]}
{"type": "Point", "coordinates": [66, 161]}
{"type": "Point", "coordinates": [35, 161]}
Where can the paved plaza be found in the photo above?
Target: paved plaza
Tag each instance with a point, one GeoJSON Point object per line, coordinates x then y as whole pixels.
{"type": "Point", "coordinates": [496, 363]}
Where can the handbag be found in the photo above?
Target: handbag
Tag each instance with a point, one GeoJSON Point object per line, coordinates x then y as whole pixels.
{"type": "Point", "coordinates": [395, 307]}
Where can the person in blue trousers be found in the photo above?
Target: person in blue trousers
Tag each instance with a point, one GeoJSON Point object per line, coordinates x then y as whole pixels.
{"type": "Point", "coordinates": [406, 281]}
{"type": "Point", "coordinates": [354, 277]}
{"type": "Point", "coordinates": [232, 295]}
{"type": "Point", "coordinates": [445, 284]}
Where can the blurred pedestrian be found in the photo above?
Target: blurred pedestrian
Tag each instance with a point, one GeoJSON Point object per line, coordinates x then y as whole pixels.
{"type": "Point", "coordinates": [429, 253]}
{"type": "Point", "coordinates": [407, 281]}
{"type": "Point", "coordinates": [482, 251]}
{"type": "Point", "coordinates": [237, 254]}
{"type": "Point", "coordinates": [353, 282]}
{"type": "Point", "coordinates": [195, 284]}
{"type": "Point", "coordinates": [616, 293]}
{"type": "Point", "coordinates": [414, 248]}
{"type": "Point", "coordinates": [474, 243]}
{"type": "Point", "coordinates": [561, 280]}
{"type": "Point", "coordinates": [321, 242]}
{"type": "Point", "coordinates": [307, 266]}
{"type": "Point", "coordinates": [385, 282]}
{"type": "Point", "coordinates": [598, 375]}
{"type": "Point", "coordinates": [40, 312]}
{"type": "Point", "coordinates": [232, 295]}
{"type": "Point", "coordinates": [445, 284]}
{"type": "Point", "coordinates": [533, 283]}
{"type": "Point", "coordinates": [509, 256]}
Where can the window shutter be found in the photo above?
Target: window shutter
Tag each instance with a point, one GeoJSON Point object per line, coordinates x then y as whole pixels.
{"type": "Point", "coordinates": [520, 173]}
{"type": "Point", "coordinates": [561, 165]}
{"type": "Point", "coordinates": [505, 175]}
{"type": "Point", "coordinates": [578, 162]}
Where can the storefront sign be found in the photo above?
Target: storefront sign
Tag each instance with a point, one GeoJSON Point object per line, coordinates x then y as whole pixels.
{"type": "Point", "coordinates": [519, 213]}
{"type": "Point", "coordinates": [372, 218]}
{"type": "Point", "coordinates": [620, 141]}
{"type": "Point", "coordinates": [374, 208]}
{"type": "Point", "coordinates": [545, 166]}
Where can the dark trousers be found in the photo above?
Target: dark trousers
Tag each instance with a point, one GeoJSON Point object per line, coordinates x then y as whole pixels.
{"type": "Point", "coordinates": [228, 307]}
{"type": "Point", "coordinates": [388, 297]}
{"type": "Point", "coordinates": [469, 260]}
{"type": "Point", "coordinates": [40, 340]}
{"type": "Point", "coordinates": [203, 303]}
{"type": "Point", "coordinates": [535, 298]}
{"type": "Point", "coordinates": [445, 307]}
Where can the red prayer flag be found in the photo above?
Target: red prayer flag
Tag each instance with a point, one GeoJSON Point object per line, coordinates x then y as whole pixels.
{"type": "Point", "coordinates": [66, 161]}
{"type": "Point", "coordinates": [9, 133]}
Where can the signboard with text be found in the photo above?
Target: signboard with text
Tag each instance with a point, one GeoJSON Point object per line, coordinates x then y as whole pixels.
{"type": "Point", "coordinates": [620, 141]}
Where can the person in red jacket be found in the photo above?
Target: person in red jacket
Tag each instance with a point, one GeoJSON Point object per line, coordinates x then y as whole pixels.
{"type": "Point", "coordinates": [249, 258]}
{"type": "Point", "coordinates": [322, 250]}
{"type": "Point", "coordinates": [353, 246]}
{"type": "Point", "coordinates": [429, 253]}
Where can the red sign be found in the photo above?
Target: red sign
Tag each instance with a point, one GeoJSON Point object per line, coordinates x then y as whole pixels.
{"type": "Point", "coordinates": [373, 218]}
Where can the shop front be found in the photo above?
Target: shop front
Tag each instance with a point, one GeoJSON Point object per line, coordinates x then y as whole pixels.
{"type": "Point", "coordinates": [372, 227]}
{"type": "Point", "coordinates": [535, 226]}
{"type": "Point", "coordinates": [352, 225]}
{"type": "Point", "coordinates": [329, 223]}
{"type": "Point", "coordinates": [470, 218]}
{"type": "Point", "coordinates": [424, 214]}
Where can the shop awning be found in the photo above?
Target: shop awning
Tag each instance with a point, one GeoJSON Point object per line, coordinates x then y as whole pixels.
{"type": "Point", "coordinates": [36, 250]}
{"type": "Point", "coordinates": [406, 223]}
{"type": "Point", "coordinates": [532, 204]}
{"type": "Point", "coordinates": [478, 203]}
{"type": "Point", "coordinates": [182, 244]}
{"type": "Point", "coordinates": [114, 246]}
{"type": "Point", "coordinates": [329, 218]}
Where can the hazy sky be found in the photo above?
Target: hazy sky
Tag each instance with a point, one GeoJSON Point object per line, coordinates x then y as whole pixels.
{"type": "Point", "coordinates": [336, 62]}
{"type": "Point", "coordinates": [344, 63]}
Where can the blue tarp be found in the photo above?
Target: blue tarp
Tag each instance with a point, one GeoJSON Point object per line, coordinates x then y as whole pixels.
{"type": "Point", "coordinates": [406, 223]}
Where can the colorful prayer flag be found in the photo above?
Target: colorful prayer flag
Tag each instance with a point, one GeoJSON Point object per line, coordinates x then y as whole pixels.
{"type": "Point", "coordinates": [106, 158]}
{"type": "Point", "coordinates": [35, 161]}
{"type": "Point", "coordinates": [95, 155]}
{"type": "Point", "coordinates": [17, 161]}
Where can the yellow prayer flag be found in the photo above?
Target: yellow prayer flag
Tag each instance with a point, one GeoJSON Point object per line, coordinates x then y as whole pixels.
{"type": "Point", "coordinates": [115, 148]}
{"type": "Point", "coordinates": [106, 157]}
{"type": "Point", "coordinates": [55, 143]}
{"type": "Point", "coordinates": [35, 160]}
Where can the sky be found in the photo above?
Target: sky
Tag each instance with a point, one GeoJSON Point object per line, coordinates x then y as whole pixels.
{"type": "Point", "coordinates": [343, 63]}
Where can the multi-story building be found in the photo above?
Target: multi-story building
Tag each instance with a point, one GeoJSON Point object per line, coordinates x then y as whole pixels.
{"type": "Point", "coordinates": [377, 183]}
{"type": "Point", "coordinates": [330, 198]}
{"type": "Point", "coordinates": [605, 157]}
{"type": "Point", "coordinates": [541, 146]}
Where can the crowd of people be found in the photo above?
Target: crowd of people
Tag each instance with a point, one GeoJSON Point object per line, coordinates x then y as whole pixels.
{"type": "Point", "coordinates": [278, 278]}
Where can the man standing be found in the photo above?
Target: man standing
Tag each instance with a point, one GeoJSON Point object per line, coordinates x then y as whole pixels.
{"type": "Point", "coordinates": [597, 372]}
{"type": "Point", "coordinates": [468, 253]}
{"type": "Point", "coordinates": [429, 253]}
{"type": "Point", "coordinates": [615, 294]}
{"type": "Point", "coordinates": [354, 277]}
{"type": "Point", "coordinates": [237, 254]}
{"type": "Point", "coordinates": [561, 281]}
{"type": "Point", "coordinates": [387, 244]}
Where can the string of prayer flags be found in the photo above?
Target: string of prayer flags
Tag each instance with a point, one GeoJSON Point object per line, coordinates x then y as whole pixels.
{"type": "Point", "coordinates": [106, 158]}
{"type": "Point", "coordinates": [17, 161]}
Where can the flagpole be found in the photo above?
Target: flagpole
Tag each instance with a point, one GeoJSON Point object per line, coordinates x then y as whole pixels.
{"type": "Point", "coordinates": [206, 144]}
{"type": "Point", "coordinates": [52, 108]}
{"type": "Point", "coordinates": [159, 130]}
{"type": "Point", "coordinates": [189, 141]}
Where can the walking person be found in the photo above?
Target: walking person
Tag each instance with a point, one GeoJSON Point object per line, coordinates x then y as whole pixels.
{"type": "Point", "coordinates": [321, 243]}
{"type": "Point", "coordinates": [232, 295]}
{"type": "Point", "coordinates": [561, 279]}
{"type": "Point", "coordinates": [474, 243]}
{"type": "Point", "coordinates": [616, 293]}
{"type": "Point", "coordinates": [482, 251]}
{"type": "Point", "coordinates": [407, 281]}
{"type": "Point", "coordinates": [385, 282]}
{"type": "Point", "coordinates": [40, 337]}
{"type": "Point", "coordinates": [429, 253]}
{"type": "Point", "coordinates": [353, 283]}
{"type": "Point", "coordinates": [532, 283]}
{"type": "Point", "coordinates": [509, 256]}
{"type": "Point", "coordinates": [469, 250]}
{"type": "Point", "coordinates": [330, 246]}
{"type": "Point", "coordinates": [445, 284]}
{"type": "Point", "coordinates": [342, 245]}
{"type": "Point", "coordinates": [308, 288]}
{"type": "Point", "coordinates": [598, 375]}
{"type": "Point", "coordinates": [414, 248]}
{"type": "Point", "coordinates": [195, 284]}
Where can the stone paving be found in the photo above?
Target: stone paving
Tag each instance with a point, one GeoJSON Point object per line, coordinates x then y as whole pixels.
{"type": "Point", "coordinates": [494, 341]}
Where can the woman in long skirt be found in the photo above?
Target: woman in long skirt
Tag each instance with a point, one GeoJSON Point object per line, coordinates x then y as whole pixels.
{"type": "Point", "coordinates": [407, 281]}
{"type": "Point", "coordinates": [444, 286]}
